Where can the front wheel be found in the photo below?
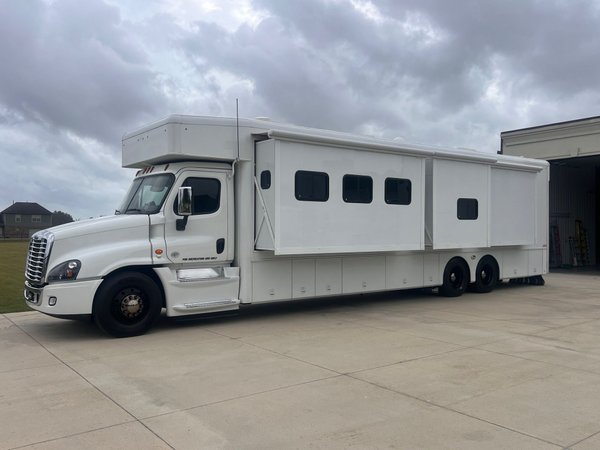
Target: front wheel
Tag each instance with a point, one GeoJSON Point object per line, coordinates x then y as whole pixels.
{"type": "Point", "coordinates": [456, 278]}
{"type": "Point", "coordinates": [127, 304]}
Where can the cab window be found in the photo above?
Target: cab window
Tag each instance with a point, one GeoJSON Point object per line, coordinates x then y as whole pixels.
{"type": "Point", "coordinates": [206, 195]}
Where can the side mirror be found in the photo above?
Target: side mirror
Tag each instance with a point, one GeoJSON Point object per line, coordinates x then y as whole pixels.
{"type": "Point", "coordinates": [184, 207]}
{"type": "Point", "coordinates": [184, 201]}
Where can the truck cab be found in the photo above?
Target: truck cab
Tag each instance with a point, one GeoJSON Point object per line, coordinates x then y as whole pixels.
{"type": "Point", "coordinates": [124, 269]}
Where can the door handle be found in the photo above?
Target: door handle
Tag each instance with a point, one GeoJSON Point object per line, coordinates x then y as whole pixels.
{"type": "Point", "coordinates": [220, 246]}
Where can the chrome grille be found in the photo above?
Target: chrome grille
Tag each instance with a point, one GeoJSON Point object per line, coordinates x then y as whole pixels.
{"type": "Point", "coordinates": [37, 257]}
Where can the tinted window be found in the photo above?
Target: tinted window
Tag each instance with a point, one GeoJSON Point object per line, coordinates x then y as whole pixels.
{"type": "Point", "coordinates": [206, 195]}
{"type": "Point", "coordinates": [467, 209]}
{"type": "Point", "coordinates": [265, 179]}
{"type": "Point", "coordinates": [311, 186]}
{"type": "Point", "coordinates": [357, 189]}
{"type": "Point", "coordinates": [398, 191]}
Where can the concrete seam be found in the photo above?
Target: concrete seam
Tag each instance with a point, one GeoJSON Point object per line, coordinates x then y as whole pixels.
{"type": "Point", "coordinates": [454, 411]}
{"type": "Point", "coordinates": [582, 440]}
{"type": "Point", "coordinates": [72, 435]}
{"type": "Point", "coordinates": [225, 400]}
{"type": "Point", "coordinates": [561, 366]}
{"type": "Point", "coordinates": [89, 383]}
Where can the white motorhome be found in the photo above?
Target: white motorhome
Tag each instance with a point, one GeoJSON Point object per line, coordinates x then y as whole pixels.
{"type": "Point", "coordinates": [226, 212]}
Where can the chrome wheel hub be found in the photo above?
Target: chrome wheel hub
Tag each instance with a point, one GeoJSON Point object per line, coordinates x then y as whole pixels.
{"type": "Point", "coordinates": [132, 305]}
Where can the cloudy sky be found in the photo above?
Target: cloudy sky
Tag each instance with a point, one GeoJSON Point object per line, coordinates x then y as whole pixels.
{"type": "Point", "coordinates": [75, 75]}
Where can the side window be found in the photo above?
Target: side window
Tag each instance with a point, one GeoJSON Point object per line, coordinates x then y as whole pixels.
{"type": "Point", "coordinates": [357, 189]}
{"type": "Point", "coordinates": [206, 195]}
{"type": "Point", "coordinates": [467, 209]}
{"type": "Point", "coordinates": [398, 191]}
{"type": "Point", "coordinates": [311, 186]}
{"type": "Point", "coordinates": [265, 179]}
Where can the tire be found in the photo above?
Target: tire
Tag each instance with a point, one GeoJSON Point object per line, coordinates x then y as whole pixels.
{"type": "Point", "coordinates": [127, 304]}
{"type": "Point", "coordinates": [456, 278]}
{"type": "Point", "coordinates": [486, 275]}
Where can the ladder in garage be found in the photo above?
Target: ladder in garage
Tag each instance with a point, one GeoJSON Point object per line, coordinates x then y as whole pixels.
{"type": "Point", "coordinates": [582, 243]}
{"type": "Point", "coordinates": [555, 252]}
{"type": "Point", "coordinates": [574, 252]}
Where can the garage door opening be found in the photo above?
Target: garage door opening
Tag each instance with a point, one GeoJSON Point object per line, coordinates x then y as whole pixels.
{"type": "Point", "coordinates": [574, 210]}
{"type": "Point", "coordinates": [573, 150]}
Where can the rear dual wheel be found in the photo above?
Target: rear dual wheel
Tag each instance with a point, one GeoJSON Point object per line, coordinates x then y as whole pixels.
{"type": "Point", "coordinates": [486, 275]}
{"type": "Point", "coordinates": [456, 278]}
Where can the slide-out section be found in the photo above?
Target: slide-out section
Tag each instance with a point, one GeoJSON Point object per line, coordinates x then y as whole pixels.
{"type": "Point", "coordinates": [318, 199]}
{"type": "Point", "coordinates": [477, 205]}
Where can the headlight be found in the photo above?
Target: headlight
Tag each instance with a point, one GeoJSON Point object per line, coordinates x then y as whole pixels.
{"type": "Point", "coordinates": [66, 271]}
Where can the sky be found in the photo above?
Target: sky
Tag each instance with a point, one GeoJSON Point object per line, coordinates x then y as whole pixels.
{"type": "Point", "coordinates": [76, 75]}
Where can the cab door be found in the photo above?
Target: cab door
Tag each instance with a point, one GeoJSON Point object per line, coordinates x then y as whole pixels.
{"type": "Point", "coordinates": [206, 236]}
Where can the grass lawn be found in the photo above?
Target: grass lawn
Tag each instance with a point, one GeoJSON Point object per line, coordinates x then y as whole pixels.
{"type": "Point", "coordinates": [12, 275]}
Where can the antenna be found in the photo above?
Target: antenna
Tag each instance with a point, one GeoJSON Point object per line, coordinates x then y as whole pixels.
{"type": "Point", "coordinates": [237, 125]}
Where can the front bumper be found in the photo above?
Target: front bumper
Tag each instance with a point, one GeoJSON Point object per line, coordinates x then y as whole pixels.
{"type": "Point", "coordinates": [72, 298]}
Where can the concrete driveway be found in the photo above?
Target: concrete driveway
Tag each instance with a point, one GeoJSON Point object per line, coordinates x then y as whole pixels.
{"type": "Point", "coordinates": [518, 368]}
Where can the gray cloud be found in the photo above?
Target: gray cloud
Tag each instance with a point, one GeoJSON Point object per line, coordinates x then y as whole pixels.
{"type": "Point", "coordinates": [73, 80]}
{"type": "Point", "coordinates": [73, 65]}
{"type": "Point", "coordinates": [77, 75]}
{"type": "Point", "coordinates": [58, 170]}
{"type": "Point", "coordinates": [416, 64]}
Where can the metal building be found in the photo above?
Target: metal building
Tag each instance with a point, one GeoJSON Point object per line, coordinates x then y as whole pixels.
{"type": "Point", "coordinates": [573, 150]}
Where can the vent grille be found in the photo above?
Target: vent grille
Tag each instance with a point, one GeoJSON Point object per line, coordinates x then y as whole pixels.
{"type": "Point", "coordinates": [37, 257]}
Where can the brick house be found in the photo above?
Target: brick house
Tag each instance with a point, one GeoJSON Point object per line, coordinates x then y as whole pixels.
{"type": "Point", "coordinates": [22, 219]}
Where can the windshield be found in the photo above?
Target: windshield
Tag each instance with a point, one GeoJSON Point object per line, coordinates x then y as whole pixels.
{"type": "Point", "coordinates": [146, 195]}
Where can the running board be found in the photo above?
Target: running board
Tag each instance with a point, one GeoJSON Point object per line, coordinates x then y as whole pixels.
{"type": "Point", "coordinates": [212, 306]}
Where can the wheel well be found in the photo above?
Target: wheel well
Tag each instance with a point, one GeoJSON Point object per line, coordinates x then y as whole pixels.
{"type": "Point", "coordinates": [146, 270]}
{"type": "Point", "coordinates": [494, 260]}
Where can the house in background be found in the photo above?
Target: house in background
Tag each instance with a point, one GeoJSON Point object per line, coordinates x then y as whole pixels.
{"type": "Point", "coordinates": [22, 219]}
